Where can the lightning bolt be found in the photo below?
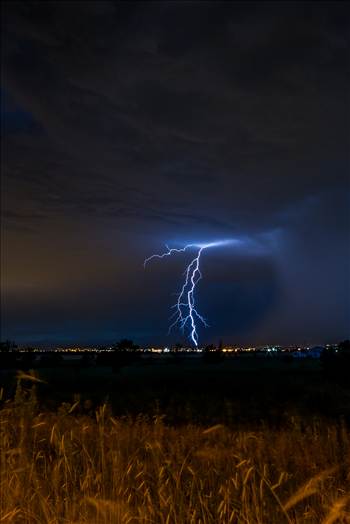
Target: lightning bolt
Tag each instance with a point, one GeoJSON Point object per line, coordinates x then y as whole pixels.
{"type": "Point", "coordinates": [186, 313]}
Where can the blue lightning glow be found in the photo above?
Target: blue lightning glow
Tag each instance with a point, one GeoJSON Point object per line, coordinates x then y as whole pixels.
{"type": "Point", "coordinates": [186, 312]}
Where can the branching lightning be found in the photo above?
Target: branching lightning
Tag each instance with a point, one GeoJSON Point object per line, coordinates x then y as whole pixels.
{"type": "Point", "coordinates": [186, 313]}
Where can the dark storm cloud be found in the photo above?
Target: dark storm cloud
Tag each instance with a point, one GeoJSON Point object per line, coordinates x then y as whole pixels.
{"type": "Point", "coordinates": [149, 122]}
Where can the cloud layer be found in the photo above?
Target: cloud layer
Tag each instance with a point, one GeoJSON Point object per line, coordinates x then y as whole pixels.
{"type": "Point", "coordinates": [132, 124]}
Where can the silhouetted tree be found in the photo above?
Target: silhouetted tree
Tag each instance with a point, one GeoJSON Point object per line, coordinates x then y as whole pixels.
{"type": "Point", "coordinates": [177, 355]}
{"type": "Point", "coordinates": [7, 346]}
{"type": "Point", "coordinates": [125, 344]}
{"type": "Point", "coordinates": [124, 354]}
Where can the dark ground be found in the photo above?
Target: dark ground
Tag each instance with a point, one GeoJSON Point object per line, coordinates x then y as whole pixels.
{"type": "Point", "coordinates": [244, 390]}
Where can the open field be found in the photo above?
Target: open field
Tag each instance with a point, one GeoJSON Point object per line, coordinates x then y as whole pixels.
{"type": "Point", "coordinates": [243, 392]}
{"type": "Point", "coordinates": [73, 461]}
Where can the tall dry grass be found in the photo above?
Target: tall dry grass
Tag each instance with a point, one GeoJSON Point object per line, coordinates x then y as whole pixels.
{"type": "Point", "coordinates": [67, 467]}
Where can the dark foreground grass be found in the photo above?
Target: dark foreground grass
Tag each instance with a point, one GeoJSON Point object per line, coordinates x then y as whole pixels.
{"type": "Point", "coordinates": [64, 466]}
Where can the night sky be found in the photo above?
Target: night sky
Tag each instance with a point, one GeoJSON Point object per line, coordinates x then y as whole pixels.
{"type": "Point", "coordinates": [129, 125]}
